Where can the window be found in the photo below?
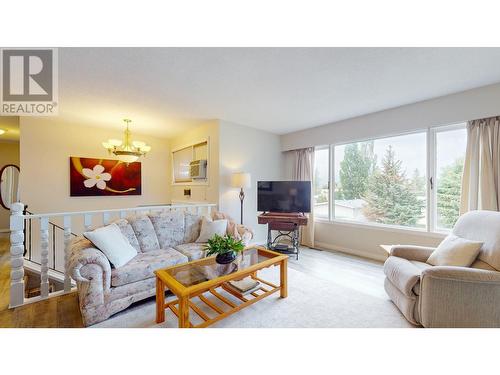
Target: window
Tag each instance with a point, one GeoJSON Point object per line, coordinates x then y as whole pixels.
{"type": "Point", "coordinates": [411, 180]}
{"type": "Point", "coordinates": [450, 156]}
{"type": "Point", "coordinates": [382, 181]}
{"type": "Point", "coordinates": [321, 182]}
{"type": "Point", "coordinates": [181, 159]}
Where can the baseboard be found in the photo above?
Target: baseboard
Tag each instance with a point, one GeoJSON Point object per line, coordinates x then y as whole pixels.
{"type": "Point", "coordinates": [360, 253]}
{"type": "Point", "coordinates": [329, 247]}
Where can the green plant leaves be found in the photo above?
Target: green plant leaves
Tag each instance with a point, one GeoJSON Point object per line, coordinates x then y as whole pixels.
{"type": "Point", "coordinates": [223, 244]}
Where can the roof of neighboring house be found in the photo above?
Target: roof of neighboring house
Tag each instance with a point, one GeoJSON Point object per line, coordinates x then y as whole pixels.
{"type": "Point", "coordinates": [350, 203]}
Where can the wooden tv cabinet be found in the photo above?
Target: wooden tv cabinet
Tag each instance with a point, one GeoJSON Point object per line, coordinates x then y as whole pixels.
{"type": "Point", "coordinates": [287, 225]}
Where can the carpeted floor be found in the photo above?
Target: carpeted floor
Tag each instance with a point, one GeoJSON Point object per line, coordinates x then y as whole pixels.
{"type": "Point", "coordinates": [343, 291]}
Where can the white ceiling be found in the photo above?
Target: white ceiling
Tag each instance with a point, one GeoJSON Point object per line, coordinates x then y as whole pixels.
{"type": "Point", "coordinates": [165, 90]}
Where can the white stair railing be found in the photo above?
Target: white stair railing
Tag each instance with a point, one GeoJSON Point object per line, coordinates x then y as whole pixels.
{"type": "Point", "coordinates": [71, 222]}
{"type": "Point", "coordinates": [16, 254]}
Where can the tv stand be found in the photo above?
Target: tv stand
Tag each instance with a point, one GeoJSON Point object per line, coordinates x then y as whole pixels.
{"type": "Point", "coordinates": [287, 225]}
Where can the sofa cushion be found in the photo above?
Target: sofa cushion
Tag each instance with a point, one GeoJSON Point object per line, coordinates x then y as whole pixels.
{"type": "Point", "coordinates": [192, 226]}
{"type": "Point", "coordinates": [112, 243]}
{"type": "Point", "coordinates": [482, 226]}
{"type": "Point", "coordinates": [169, 228]}
{"type": "Point", "coordinates": [145, 233]}
{"type": "Point", "coordinates": [144, 264]}
{"type": "Point", "coordinates": [194, 250]}
{"type": "Point", "coordinates": [128, 232]}
{"type": "Point", "coordinates": [210, 228]}
{"type": "Point", "coordinates": [455, 251]}
{"type": "Point", "coordinates": [232, 227]}
{"type": "Point", "coordinates": [403, 274]}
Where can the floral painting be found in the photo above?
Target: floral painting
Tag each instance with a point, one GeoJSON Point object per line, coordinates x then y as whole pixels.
{"type": "Point", "coordinates": [96, 177]}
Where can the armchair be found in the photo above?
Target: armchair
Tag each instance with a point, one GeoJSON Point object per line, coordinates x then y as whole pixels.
{"type": "Point", "coordinates": [439, 296]}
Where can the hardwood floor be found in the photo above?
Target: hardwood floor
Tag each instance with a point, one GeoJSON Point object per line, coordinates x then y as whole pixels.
{"type": "Point", "coordinates": [58, 312]}
{"type": "Point", "coordinates": [63, 311]}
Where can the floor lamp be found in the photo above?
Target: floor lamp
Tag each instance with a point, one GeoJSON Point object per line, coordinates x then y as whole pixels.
{"type": "Point", "coordinates": [242, 181]}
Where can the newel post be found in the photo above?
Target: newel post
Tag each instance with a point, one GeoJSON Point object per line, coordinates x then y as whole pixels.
{"type": "Point", "coordinates": [16, 254]}
{"type": "Point", "coordinates": [67, 245]}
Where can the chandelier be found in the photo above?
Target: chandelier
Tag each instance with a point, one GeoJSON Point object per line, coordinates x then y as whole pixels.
{"type": "Point", "coordinates": [127, 150]}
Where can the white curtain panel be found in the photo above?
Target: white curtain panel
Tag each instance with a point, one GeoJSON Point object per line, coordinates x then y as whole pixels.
{"type": "Point", "coordinates": [303, 170]}
{"type": "Point", "coordinates": [481, 177]}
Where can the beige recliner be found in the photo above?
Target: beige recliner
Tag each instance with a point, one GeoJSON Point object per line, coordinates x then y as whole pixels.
{"type": "Point", "coordinates": [439, 296]}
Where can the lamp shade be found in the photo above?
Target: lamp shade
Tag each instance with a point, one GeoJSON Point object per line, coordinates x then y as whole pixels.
{"type": "Point", "coordinates": [241, 180]}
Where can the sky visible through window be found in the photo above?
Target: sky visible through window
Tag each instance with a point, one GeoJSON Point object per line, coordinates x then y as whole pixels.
{"type": "Point", "coordinates": [411, 151]}
{"type": "Point", "coordinates": [405, 148]}
{"type": "Point", "coordinates": [450, 147]}
{"type": "Point", "coordinates": [408, 148]}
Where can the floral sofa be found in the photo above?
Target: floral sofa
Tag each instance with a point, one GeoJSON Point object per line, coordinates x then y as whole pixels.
{"type": "Point", "coordinates": [161, 240]}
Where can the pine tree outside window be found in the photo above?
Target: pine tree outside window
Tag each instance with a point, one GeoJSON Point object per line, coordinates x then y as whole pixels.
{"type": "Point", "coordinates": [410, 181]}
{"type": "Point", "coordinates": [379, 181]}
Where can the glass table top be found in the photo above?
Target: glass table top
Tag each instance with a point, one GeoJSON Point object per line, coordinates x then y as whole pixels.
{"type": "Point", "coordinates": [207, 269]}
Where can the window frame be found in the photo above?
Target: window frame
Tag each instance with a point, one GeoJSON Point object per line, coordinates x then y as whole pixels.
{"type": "Point", "coordinates": [431, 173]}
{"type": "Point", "coordinates": [204, 142]}
{"type": "Point", "coordinates": [432, 218]}
{"type": "Point", "coordinates": [318, 148]}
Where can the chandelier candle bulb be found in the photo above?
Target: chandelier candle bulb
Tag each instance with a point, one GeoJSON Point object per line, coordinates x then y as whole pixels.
{"type": "Point", "coordinates": [115, 142]}
{"type": "Point", "coordinates": [127, 150]}
{"type": "Point", "coordinates": [139, 144]}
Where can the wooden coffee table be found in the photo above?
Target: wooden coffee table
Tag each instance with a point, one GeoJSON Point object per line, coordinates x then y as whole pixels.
{"type": "Point", "coordinates": [205, 278]}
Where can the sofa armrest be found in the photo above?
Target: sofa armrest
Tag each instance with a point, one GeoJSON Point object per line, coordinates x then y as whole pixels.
{"type": "Point", "coordinates": [412, 252]}
{"type": "Point", "coordinates": [402, 274]}
{"type": "Point", "coordinates": [90, 268]}
{"type": "Point", "coordinates": [462, 274]}
{"type": "Point", "coordinates": [460, 297]}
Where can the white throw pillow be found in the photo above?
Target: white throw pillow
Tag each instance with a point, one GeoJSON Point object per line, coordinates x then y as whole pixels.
{"type": "Point", "coordinates": [112, 243]}
{"type": "Point", "coordinates": [455, 251]}
{"type": "Point", "coordinates": [209, 228]}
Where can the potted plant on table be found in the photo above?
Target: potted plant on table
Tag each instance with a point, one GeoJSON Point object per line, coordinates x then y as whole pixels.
{"type": "Point", "coordinates": [225, 247]}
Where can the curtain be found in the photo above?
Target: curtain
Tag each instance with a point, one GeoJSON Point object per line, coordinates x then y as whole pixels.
{"type": "Point", "coordinates": [481, 177]}
{"type": "Point", "coordinates": [303, 170]}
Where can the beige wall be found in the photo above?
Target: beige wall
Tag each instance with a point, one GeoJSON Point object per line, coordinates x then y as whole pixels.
{"type": "Point", "coordinates": [47, 144]}
{"type": "Point", "coordinates": [363, 240]}
{"type": "Point", "coordinates": [9, 154]}
{"type": "Point", "coordinates": [245, 149]}
{"type": "Point", "coordinates": [208, 130]}
{"type": "Point", "coordinates": [450, 109]}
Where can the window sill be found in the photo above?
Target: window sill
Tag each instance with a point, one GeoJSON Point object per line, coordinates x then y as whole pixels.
{"type": "Point", "coordinates": [387, 228]}
{"type": "Point", "coordinates": [191, 183]}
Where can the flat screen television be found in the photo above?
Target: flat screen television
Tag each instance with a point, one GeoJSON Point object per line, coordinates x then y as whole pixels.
{"type": "Point", "coordinates": [284, 196]}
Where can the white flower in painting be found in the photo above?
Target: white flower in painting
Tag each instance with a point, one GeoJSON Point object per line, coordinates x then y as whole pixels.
{"type": "Point", "coordinates": [96, 177]}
